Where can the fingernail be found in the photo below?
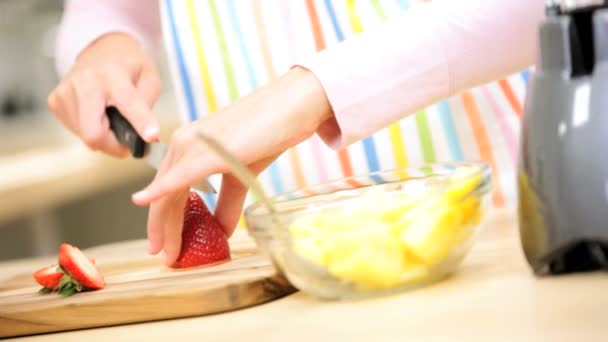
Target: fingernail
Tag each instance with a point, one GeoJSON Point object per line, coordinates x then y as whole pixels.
{"type": "Point", "coordinates": [150, 250]}
{"type": "Point", "coordinates": [139, 196]}
{"type": "Point", "coordinates": [151, 131]}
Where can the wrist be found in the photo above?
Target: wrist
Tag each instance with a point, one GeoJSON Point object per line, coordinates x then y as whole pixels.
{"type": "Point", "coordinates": [310, 106]}
{"type": "Point", "coordinates": [110, 42]}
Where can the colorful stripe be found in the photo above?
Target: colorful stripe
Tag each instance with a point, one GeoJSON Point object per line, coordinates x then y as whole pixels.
{"type": "Point", "coordinates": [426, 140]}
{"type": "Point", "coordinates": [510, 95]}
{"type": "Point", "coordinates": [403, 4]}
{"type": "Point", "coordinates": [394, 130]}
{"type": "Point", "coordinates": [267, 59]}
{"type": "Point", "coordinates": [343, 155]}
{"type": "Point", "coordinates": [273, 168]}
{"type": "Point", "coordinates": [181, 64]}
{"type": "Point", "coordinates": [334, 20]}
{"type": "Point", "coordinates": [379, 10]}
{"type": "Point", "coordinates": [293, 48]}
{"type": "Point", "coordinates": [369, 144]}
{"type": "Point", "coordinates": [525, 75]}
{"type": "Point", "coordinates": [450, 130]}
{"type": "Point", "coordinates": [483, 143]}
{"type": "Point", "coordinates": [319, 45]}
{"type": "Point", "coordinates": [317, 32]}
{"type": "Point", "coordinates": [261, 31]}
{"type": "Point", "coordinates": [501, 116]}
{"type": "Point", "coordinates": [236, 27]}
{"type": "Point", "coordinates": [186, 83]}
{"type": "Point", "coordinates": [233, 90]}
{"type": "Point", "coordinates": [200, 54]}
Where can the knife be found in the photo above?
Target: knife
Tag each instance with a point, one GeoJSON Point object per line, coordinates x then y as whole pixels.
{"type": "Point", "coordinates": [153, 154]}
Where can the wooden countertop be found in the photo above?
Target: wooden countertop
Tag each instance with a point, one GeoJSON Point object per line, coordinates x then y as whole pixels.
{"type": "Point", "coordinates": [493, 297]}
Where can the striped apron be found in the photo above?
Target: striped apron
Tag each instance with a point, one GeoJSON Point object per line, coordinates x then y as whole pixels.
{"type": "Point", "coordinates": [220, 50]}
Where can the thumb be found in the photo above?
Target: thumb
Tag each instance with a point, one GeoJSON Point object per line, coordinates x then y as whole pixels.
{"type": "Point", "coordinates": [232, 196]}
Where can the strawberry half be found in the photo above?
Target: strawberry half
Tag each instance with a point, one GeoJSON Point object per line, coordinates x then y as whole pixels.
{"type": "Point", "coordinates": [48, 277]}
{"type": "Point", "coordinates": [204, 241]}
{"type": "Point", "coordinates": [80, 268]}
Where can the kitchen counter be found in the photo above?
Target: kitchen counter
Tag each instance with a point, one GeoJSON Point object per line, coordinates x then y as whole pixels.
{"type": "Point", "coordinates": [493, 297]}
{"type": "Point", "coordinates": [46, 177]}
{"type": "Point", "coordinates": [44, 166]}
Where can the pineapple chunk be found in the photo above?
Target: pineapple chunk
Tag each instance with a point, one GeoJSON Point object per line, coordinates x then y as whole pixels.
{"type": "Point", "coordinates": [311, 248]}
{"type": "Point", "coordinates": [462, 183]}
{"type": "Point", "coordinates": [370, 258]}
{"type": "Point", "coordinates": [385, 239]}
{"type": "Point", "coordinates": [306, 225]}
{"type": "Point", "coordinates": [433, 234]}
{"type": "Point", "coordinates": [413, 273]}
{"type": "Point", "coordinates": [383, 205]}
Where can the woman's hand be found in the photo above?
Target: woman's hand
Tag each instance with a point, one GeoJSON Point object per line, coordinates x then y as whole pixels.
{"type": "Point", "coordinates": [256, 129]}
{"type": "Point", "coordinates": [113, 70]}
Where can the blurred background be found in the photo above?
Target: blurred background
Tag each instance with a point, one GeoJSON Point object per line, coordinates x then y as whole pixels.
{"type": "Point", "coordinates": [52, 189]}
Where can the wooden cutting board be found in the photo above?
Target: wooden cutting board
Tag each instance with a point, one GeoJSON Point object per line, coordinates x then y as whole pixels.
{"type": "Point", "coordinates": [140, 289]}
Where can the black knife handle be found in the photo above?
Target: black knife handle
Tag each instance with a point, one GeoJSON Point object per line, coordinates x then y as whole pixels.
{"type": "Point", "coordinates": [125, 133]}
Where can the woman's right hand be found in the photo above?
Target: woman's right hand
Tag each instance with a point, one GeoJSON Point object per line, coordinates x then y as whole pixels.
{"type": "Point", "coordinates": [114, 70]}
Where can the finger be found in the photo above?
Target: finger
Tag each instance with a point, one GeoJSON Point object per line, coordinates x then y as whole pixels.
{"type": "Point", "coordinates": [60, 105]}
{"type": "Point", "coordinates": [149, 84]}
{"type": "Point", "coordinates": [173, 207]}
{"type": "Point", "coordinates": [155, 226]}
{"type": "Point", "coordinates": [94, 125]}
{"type": "Point", "coordinates": [232, 196]}
{"type": "Point", "coordinates": [230, 202]}
{"type": "Point", "coordinates": [123, 94]}
{"type": "Point", "coordinates": [181, 175]}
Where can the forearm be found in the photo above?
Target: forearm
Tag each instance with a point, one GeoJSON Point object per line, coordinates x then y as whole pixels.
{"type": "Point", "coordinates": [433, 51]}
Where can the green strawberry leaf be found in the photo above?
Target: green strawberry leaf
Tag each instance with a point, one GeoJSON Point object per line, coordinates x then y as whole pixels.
{"type": "Point", "coordinates": [66, 292]}
{"type": "Point", "coordinates": [69, 286]}
{"type": "Point", "coordinates": [66, 279]}
{"type": "Point", "coordinates": [44, 291]}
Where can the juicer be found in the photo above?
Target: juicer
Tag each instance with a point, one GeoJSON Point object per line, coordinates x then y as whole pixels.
{"type": "Point", "coordinates": [563, 167]}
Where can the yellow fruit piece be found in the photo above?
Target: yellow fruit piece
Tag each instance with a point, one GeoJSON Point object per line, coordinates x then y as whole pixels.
{"type": "Point", "coordinates": [413, 273]}
{"type": "Point", "coordinates": [428, 204]}
{"type": "Point", "coordinates": [311, 249]}
{"type": "Point", "coordinates": [383, 205]}
{"type": "Point", "coordinates": [384, 238]}
{"type": "Point", "coordinates": [471, 211]}
{"type": "Point", "coordinates": [369, 258]}
{"type": "Point", "coordinates": [433, 234]}
{"type": "Point", "coordinates": [306, 225]}
{"type": "Point", "coordinates": [462, 182]}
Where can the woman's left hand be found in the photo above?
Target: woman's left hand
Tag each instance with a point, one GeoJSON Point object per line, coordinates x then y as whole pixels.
{"type": "Point", "coordinates": [256, 129]}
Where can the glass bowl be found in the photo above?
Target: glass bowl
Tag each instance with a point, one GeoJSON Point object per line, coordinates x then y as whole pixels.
{"type": "Point", "coordinates": [375, 234]}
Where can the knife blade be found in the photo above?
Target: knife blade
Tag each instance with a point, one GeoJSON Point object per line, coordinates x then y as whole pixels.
{"type": "Point", "coordinates": [151, 153]}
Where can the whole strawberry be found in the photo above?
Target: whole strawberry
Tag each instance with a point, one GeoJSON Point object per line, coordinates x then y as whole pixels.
{"type": "Point", "coordinates": [204, 241]}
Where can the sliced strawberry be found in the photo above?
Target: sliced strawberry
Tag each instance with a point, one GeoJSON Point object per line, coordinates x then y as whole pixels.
{"type": "Point", "coordinates": [48, 277]}
{"type": "Point", "coordinates": [80, 268]}
{"type": "Point", "coordinates": [204, 241]}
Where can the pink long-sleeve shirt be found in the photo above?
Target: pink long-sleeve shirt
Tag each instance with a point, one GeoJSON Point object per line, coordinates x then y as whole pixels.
{"type": "Point", "coordinates": [437, 49]}
{"type": "Point", "coordinates": [423, 70]}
